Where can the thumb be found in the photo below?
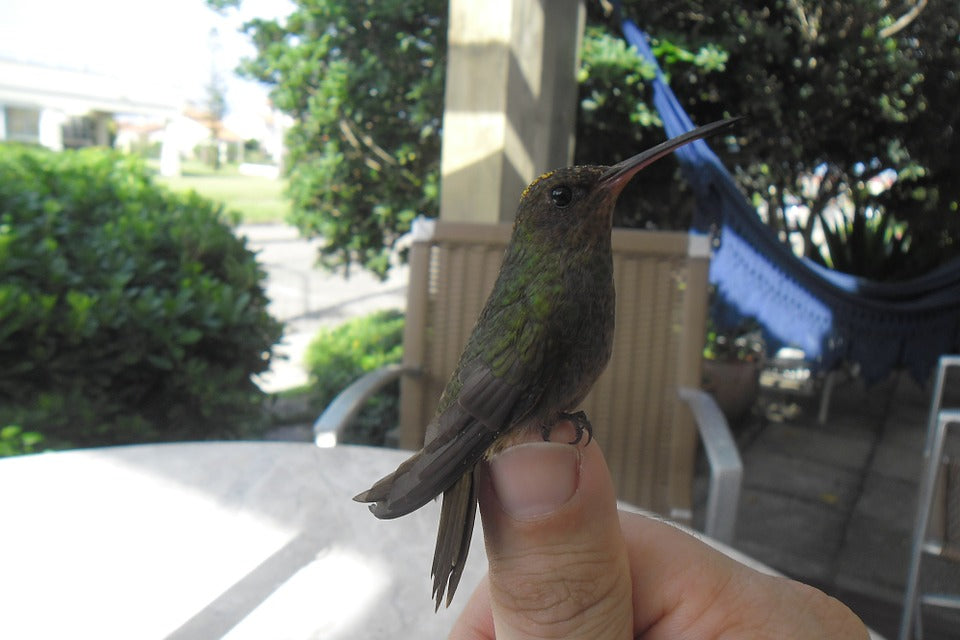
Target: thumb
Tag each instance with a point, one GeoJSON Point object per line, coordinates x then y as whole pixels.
{"type": "Point", "coordinates": [558, 562]}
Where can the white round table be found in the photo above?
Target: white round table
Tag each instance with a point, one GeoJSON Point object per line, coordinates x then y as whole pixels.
{"type": "Point", "coordinates": [218, 540]}
{"type": "Point", "coordinates": [209, 540]}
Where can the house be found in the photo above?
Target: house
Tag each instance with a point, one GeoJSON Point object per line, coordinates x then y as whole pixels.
{"type": "Point", "coordinates": [62, 108]}
{"type": "Point", "coordinates": [192, 133]}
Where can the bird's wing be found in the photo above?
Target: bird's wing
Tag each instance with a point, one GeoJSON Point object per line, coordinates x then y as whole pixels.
{"type": "Point", "coordinates": [498, 382]}
{"type": "Point", "coordinates": [464, 431]}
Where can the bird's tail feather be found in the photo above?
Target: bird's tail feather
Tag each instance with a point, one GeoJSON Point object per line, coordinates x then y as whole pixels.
{"type": "Point", "coordinates": [457, 516]}
{"type": "Point", "coordinates": [430, 471]}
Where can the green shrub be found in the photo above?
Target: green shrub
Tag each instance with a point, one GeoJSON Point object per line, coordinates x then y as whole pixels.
{"type": "Point", "coordinates": [14, 441]}
{"type": "Point", "coordinates": [127, 313]}
{"type": "Point", "coordinates": [338, 356]}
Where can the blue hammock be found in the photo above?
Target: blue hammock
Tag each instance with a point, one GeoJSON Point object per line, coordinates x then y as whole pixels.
{"type": "Point", "coordinates": [832, 316]}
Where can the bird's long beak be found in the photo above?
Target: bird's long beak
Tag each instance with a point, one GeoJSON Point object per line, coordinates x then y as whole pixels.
{"type": "Point", "coordinates": [617, 176]}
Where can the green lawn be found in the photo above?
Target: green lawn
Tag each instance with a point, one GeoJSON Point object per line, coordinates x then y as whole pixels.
{"type": "Point", "coordinates": [257, 200]}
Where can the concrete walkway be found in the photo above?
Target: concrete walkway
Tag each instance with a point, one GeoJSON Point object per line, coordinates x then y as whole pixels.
{"type": "Point", "coordinates": [833, 505]}
{"type": "Point", "coordinates": [307, 297]}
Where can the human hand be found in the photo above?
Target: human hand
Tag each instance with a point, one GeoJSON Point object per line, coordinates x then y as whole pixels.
{"type": "Point", "coordinates": [564, 563]}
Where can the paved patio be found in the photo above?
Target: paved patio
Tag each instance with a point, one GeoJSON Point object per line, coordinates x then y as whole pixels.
{"type": "Point", "coordinates": [307, 298]}
{"type": "Point", "coordinates": [833, 505]}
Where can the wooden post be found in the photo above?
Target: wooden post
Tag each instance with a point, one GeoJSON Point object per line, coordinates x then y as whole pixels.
{"type": "Point", "coordinates": [510, 102]}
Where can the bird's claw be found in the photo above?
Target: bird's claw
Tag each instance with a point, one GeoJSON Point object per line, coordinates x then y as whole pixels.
{"type": "Point", "coordinates": [580, 422]}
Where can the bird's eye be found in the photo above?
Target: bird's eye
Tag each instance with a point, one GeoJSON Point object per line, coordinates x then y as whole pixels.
{"type": "Point", "coordinates": [561, 196]}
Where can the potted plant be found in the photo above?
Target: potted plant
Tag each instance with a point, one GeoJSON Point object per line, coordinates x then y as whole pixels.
{"type": "Point", "coordinates": [731, 367]}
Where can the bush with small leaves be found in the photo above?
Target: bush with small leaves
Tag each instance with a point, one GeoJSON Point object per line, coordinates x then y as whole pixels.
{"type": "Point", "coordinates": [338, 356]}
{"type": "Point", "coordinates": [127, 313]}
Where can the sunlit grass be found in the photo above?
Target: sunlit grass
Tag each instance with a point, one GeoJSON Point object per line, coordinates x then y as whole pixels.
{"type": "Point", "coordinates": [257, 200]}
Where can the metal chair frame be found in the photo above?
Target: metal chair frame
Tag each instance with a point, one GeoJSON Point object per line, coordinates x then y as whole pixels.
{"type": "Point", "coordinates": [933, 493]}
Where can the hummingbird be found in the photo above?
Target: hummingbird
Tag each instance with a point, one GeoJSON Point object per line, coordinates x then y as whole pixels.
{"type": "Point", "coordinates": [543, 338]}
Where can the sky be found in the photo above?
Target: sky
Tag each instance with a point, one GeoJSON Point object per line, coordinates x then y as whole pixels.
{"type": "Point", "coordinates": [167, 42]}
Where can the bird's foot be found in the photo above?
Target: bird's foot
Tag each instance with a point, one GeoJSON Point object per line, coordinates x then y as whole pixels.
{"type": "Point", "coordinates": [580, 422]}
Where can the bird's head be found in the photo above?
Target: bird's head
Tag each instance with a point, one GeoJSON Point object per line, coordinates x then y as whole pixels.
{"type": "Point", "coordinates": [579, 201]}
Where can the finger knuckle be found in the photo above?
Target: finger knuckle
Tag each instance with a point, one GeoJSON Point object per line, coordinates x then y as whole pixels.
{"type": "Point", "coordinates": [553, 599]}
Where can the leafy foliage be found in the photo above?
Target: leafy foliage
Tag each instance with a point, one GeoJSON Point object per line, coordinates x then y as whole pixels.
{"type": "Point", "coordinates": [337, 357]}
{"type": "Point", "coordinates": [739, 343]}
{"type": "Point", "coordinates": [835, 94]}
{"type": "Point", "coordinates": [127, 313]}
{"type": "Point", "coordinates": [616, 119]}
{"type": "Point", "coordinates": [364, 81]}
{"type": "Point", "coordinates": [14, 441]}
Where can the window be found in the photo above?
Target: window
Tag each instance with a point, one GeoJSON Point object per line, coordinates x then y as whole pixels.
{"type": "Point", "coordinates": [79, 132]}
{"type": "Point", "coordinates": [23, 124]}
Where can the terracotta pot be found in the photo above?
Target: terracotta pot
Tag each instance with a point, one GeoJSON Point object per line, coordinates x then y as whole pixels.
{"type": "Point", "coordinates": [734, 384]}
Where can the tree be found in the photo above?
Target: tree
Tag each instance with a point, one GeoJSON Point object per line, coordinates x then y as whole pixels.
{"type": "Point", "coordinates": [216, 109]}
{"type": "Point", "coordinates": [216, 100]}
{"type": "Point", "coordinates": [364, 82]}
{"type": "Point", "coordinates": [835, 93]}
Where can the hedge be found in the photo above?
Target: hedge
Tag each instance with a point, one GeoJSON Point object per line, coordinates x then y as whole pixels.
{"type": "Point", "coordinates": [338, 356]}
{"type": "Point", "coordinates": [128, 313]}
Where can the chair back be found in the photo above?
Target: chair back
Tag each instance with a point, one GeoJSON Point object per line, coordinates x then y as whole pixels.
{"type": "Point", "coordinates": [647, 435]}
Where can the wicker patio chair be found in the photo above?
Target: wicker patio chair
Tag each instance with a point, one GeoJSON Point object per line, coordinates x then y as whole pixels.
{"type": "Point", "coordinates": [646, 408]}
